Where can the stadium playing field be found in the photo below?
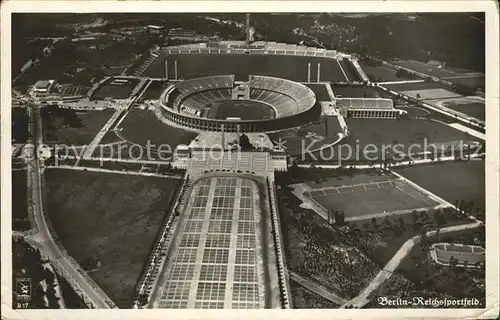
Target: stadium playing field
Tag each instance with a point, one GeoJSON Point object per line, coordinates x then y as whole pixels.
{"type": "Point", "coordinates": [367, 198]}
{"type": "Point", "coordinates": [241, 65]}
{"type": "Point", "coordinates": [243, 109]}
{"type": "Point", "coordinates": [114, 90]}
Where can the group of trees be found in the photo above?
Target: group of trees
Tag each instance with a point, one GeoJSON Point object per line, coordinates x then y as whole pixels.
{"type": "Point", "coordinates": [28, 263]}
{"type": "Point", "coordinates": [336, 217]}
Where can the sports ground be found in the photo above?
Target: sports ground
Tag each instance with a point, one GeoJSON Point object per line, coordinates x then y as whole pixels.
{"type": "Point", "coordinates": [219, 259]}
{"type": "Point", "coordinates": [471, 106]}
{"type": "Point", "coordinates": [241, 65]}
{"type": "Point", "coordinates": [374, 196]}
{"type": "Point", "coordinates": [112, 90]}
{"type": "Point", "coordinates": [113, 218]}
{"type": "Point", "coordinates": [243, 109]}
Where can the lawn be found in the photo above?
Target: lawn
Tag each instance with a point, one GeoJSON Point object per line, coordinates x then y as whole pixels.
{"type": "Point", "coordinates": [155, 90]}
{"type": "Point", "coordinates": [113, 218]}
{"type": "Point", "coordinates": [317, 135]}
{"type": "Point", "coordinates": [114, 91]}
{"type": "Point", "coordinates": [369, 136]}
{"type": "Point", "coordinates": [320, 91]}
{"type": "Point", "coordinates": [20, 221]}
{"type": "Point", "coordinates": [451, 180]}
{"type": "Point", "coordinates": [415, 86]}
{"type": "Point", "coordinates": [243, 109]}
{"type": "Point", "coordinates": [20, 121]}
{"type": "Point", "coordinates": [361, 203]}
{"type": "Point", "coordinates": [473, 109]}
{"type": "Point", "coordinates": [356, 91]}
{"type": "Point", "coordinates": [380, 73]}
{"type": "Point", "coordinates": [70, 127]}
{"type": "Point", "coordinates": [241, 65]}
{"type": "Point", "coordinates": [142, 127]}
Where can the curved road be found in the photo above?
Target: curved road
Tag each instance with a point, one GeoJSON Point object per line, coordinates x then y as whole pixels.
{"type": "Point", "coordinates": [43, 239]}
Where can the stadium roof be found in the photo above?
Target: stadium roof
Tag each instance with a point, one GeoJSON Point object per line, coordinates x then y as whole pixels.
{"type": "Point", "coordinates": [43, 84]}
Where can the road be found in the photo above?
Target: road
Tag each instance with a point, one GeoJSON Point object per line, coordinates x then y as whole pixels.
{"type": "Point", "coordinates": [317, 288]}
{"type": "Point", "coordinates": [384, 274]}
{"type": "Point", "coordinates": [43, 239]}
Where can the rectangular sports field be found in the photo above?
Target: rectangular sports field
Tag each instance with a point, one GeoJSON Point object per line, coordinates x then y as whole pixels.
{"type": "Point", "coordinates": [114, 91]}
{"type": "Point", "coordinates": [242, 65]}
{"type": "Point", "coordinates": [362, 199]}
{"type": "Point", "coordinates": [473, 109]}
{"type": "Point", "coordinates": [430, 70]}
{"type": "Point", "coordinates": [381, 73]}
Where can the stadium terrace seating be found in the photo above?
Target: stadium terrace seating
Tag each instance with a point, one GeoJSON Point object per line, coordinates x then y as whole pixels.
{"type": "Point", "coordinates": [201, 99]}
{"type": "Point", "coordinates": [205, 83]}
{"type": "Point", "coordinates": [286, 96]}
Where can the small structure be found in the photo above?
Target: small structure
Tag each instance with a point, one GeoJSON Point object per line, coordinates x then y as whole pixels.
{"type": "Point", "coordinates": [155, 30]}
{"type": "Point", "coordinates": [43, 87]}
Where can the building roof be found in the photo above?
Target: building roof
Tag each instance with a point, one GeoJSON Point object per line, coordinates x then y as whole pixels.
{"type": "Point", "coordinates": [43, 84]}
{"type": "Point", "coordinates": [155, 27]}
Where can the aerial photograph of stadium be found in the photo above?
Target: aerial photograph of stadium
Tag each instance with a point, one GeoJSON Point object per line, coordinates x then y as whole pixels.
{"type": "Point", "coordinates": [248, 160]}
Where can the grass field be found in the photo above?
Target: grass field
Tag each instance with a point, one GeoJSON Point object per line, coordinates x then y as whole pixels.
{"type": "Point", "coordinates": [430, 70]}
{"type": "Point", "coordinates": [20, 220]}
{"type": "Point", "coordinates": [368, 136]}
{"type": "Point", "coordinates": [243, 109]}
{"type": "Point", "coordinates": [381, 73]}
{"type": "Point", "coordinates": [320, 91]}
{"type": "Point", "coordinates": [110, 217]}
{"type": "Point", "coordinates": [241, 65]}
{"type": "Point", "coordinates": [473, 109]}
{"type": "Point", "coordinates": [451, 180]}
{"type": "Point", "coordinates": [353, 91]}
{"type": "Point", "coordinates": [142, 126]}
{"type": "Point", "coordinates": [20, 121]}
{"type": "Point", "coordinates": [399, 87]}
{"type": "Point", "coordinates": [154, 90]}
{"type": "Point", "coordinates": [311, 137]}
{"type": "Point", "coordinates": [114, 91]}
{"type": "Point", "coordinates": [471, 82]}
{"type": "Point", "coordinates": [66, 126]}
{"type": "Point", "coordinates": [368, 198]}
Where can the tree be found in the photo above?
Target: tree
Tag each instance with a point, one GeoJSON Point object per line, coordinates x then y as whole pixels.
{"type": "Point", "coordinates": [374, 223]}
{"type": "Point", "coordinates": [142, 299]}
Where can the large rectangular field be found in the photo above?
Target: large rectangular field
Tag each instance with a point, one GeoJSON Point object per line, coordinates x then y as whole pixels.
{"type": "Point", "coordinates": [451, 180]}
{"type": "Point", "coordinates": [369, 137]}
{"type": "Point", "coordinates": [374, 197]}
{"type": "Point", "coordinates": [381, 73]}
{"type": "Point", "coordinates": [241, 65]}
{"type": "Point", "coordinates": [112, 218]}
{"type": "Point", "coordinates": [114, 89]}
{"type": "Point", "coordinates": [320, 91]}
{"type": "Point", "coordinates": [70, 127]}
{"type": "Point", "coordinates": [431, 70]}
{"type": "Point", "coordinates": [217, 260]}
{"type": "Point", "coordinates": [356, 91]}
{"type": "Point", "coordinates": [142, 127]}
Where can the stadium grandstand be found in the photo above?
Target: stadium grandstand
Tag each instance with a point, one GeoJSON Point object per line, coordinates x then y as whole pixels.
{"type": "Point", "coordinates": [371, 108]}
{"type": "Point", "coordinates": [465, 255]}
{"type": "Point", "coordinates": [188, 103]}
